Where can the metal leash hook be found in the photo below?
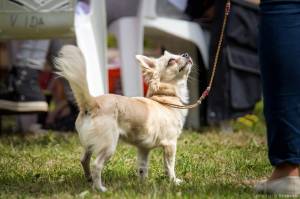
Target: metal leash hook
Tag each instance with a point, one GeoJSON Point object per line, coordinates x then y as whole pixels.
{"type": "Point", "coordinates": [205, 93]}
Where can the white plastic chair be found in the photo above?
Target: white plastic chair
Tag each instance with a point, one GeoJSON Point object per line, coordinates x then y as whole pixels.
{"type": "Point", "coordinates": [129, 32]}
{"type": "Point", "coordinates": [55, 18]}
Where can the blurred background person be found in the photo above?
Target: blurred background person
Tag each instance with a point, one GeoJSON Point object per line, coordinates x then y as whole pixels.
{"type": "Point", "coordinates": [22, 93]}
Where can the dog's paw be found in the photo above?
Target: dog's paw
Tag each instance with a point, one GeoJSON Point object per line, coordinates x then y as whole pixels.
{"type": "Point", "coordinates": [100, 188]}
{"type": "Point", "coordinates": [177, 181]}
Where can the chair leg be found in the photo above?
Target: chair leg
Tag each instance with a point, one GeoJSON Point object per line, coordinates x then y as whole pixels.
{"type": "Point", "coordinates": [91, 39]}
{"type": "Point", "coordinates": [127, 35]}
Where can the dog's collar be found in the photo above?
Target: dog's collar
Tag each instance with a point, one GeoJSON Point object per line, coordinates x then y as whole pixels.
{"type": "Point", "coordinates": [166, 99]}
{"type": "Point", "coordinates": [162, 94]}
{"type": "Point", "coordinates": [164, 89]}
{"type": "Point", "coordinates": [165, 94]}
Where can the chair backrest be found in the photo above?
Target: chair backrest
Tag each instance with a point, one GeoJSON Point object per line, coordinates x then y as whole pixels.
{"type": "Point", "coordinates": [36, 19]}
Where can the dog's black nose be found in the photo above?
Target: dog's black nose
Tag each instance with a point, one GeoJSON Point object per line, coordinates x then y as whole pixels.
{"type": "Point", "coordinates": [185, 55]}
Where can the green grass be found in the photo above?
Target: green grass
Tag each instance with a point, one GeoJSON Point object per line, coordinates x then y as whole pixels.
{"type": "Point", "coordinates": [212, 165]}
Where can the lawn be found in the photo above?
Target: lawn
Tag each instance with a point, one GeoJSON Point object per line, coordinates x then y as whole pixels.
{"type": "Point", "coordinates": [212, 165]}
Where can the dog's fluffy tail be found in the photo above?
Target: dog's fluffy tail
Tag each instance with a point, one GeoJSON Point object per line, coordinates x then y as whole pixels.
{"type": "Point", "coordinates": [71, 65]}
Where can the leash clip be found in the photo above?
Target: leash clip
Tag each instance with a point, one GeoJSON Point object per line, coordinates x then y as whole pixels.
{"type": "Point", "coordinates": [206, 92]}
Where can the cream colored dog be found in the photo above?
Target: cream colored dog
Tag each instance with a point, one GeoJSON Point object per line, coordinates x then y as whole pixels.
{"type": "Point", "coordinates": [140, 121]}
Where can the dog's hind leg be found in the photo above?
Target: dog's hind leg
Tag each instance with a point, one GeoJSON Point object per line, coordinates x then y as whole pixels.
{"type": "Point", "coordinates": [143, 162]}
{"type": "Point", "coordinates": [85, 162]}
{"type": "Point", "coordinates": [104, 140]}
{"type": "Point", "coordinates": [100, 161]}
{"type": "Point", "coordinates": [169, 159]}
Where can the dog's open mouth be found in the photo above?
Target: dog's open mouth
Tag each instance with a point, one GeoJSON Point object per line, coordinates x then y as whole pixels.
{"type": "Point", "coordinates": [181, 69]}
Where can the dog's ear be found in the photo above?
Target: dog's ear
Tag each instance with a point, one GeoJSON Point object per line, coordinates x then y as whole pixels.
{"type": "Point", "coordinates": [150, 73]}
{"type": "Point", "coordinates": [145, 62]}
{"type": "Point", "coordinates": [166, 52]}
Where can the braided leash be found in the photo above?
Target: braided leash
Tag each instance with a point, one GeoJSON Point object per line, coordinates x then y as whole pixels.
{"type": "Point", "coordinates": [216, 60]}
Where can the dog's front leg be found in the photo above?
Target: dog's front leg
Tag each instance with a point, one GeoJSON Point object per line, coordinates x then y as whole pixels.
{"type": "Point", "coordinates": [143, 162]}
{"type": "Point", "coordinates": [169, 158]}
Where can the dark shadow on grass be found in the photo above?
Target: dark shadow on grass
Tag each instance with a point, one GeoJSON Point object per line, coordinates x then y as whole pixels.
{"type": "Point", "coordinates": [117, 183]}
{"type": "Point", "coordinates": [222, 189]}
{"type": "Point", "coordinates": [72, 184]}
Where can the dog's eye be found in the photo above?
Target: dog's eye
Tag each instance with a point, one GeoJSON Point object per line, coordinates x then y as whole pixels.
{"type": "Point", "coordinates": [171, 61]}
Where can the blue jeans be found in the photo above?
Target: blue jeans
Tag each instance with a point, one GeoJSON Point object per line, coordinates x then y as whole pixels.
{"type": "Point", "coordinates": [279, 51]}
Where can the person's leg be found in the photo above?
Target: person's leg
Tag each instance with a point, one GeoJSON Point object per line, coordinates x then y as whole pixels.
{"type": "Point", "coordinates": [279, 53]}
{"type": "Point", "coordinates": [23, 93]}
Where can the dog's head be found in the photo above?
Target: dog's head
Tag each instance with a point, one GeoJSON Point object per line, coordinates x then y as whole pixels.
{"type": "Point", "coordinates": [169, 68]}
